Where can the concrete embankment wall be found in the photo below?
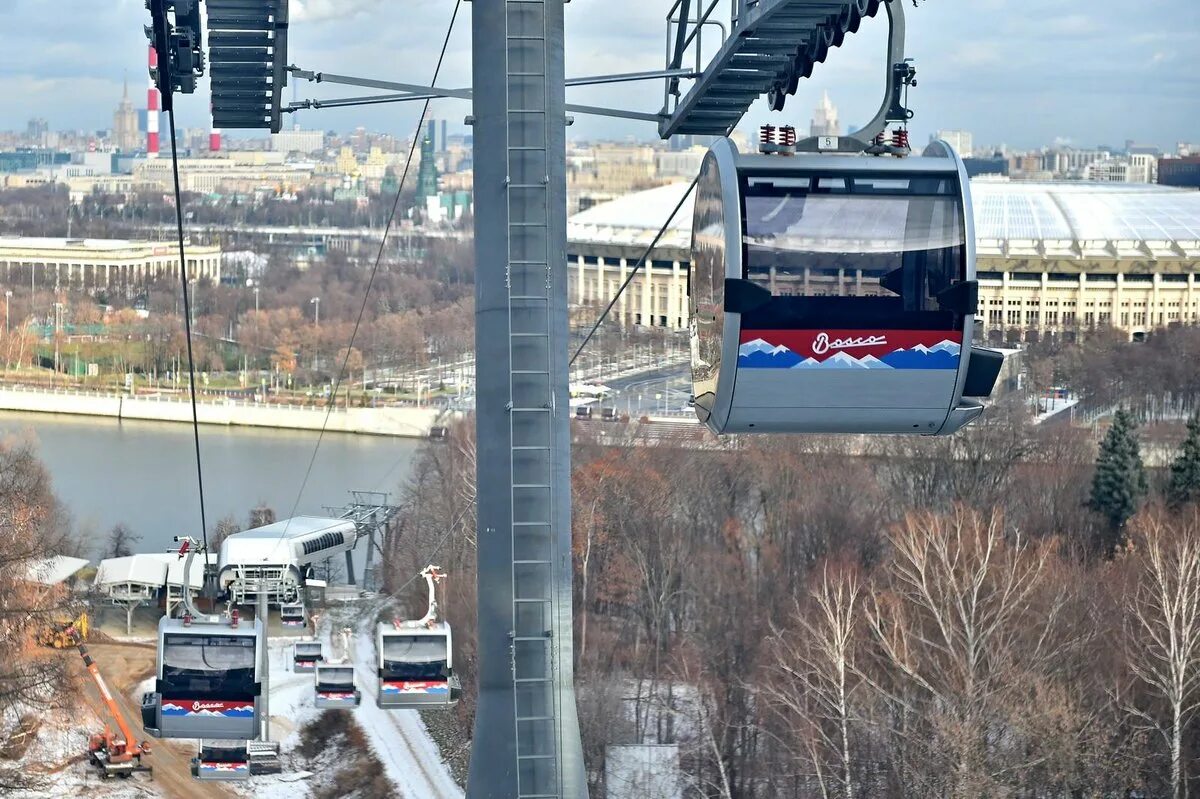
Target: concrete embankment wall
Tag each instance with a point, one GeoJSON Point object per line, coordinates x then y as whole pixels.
{"type": "Point", "coordinates": [402, 421]}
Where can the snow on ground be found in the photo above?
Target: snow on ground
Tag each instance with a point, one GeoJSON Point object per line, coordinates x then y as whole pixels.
{"type": "Point", "coordinates": [291, 708]}
{"type": "Point", "coordinates": [1049, 406]}
{"type": "Point", "coordinates": [60, 740]}
{"type": "Point", "coordinates": [410, 757]}
{"type": "Point", "coordinates": [399, 737]}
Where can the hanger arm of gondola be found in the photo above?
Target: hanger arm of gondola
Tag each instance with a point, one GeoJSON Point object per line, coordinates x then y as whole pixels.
{"type": "Point", "coordinates": [898, 75]}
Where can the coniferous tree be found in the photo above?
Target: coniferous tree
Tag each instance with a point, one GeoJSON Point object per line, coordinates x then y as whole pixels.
{"type": "Point", "coordinates": [1184, 487]}
{"type": "Point", "coordinates": [1119, 485]}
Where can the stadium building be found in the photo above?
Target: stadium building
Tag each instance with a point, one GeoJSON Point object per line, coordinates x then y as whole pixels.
{"type": "Point", "coordinates": [90, 264]}
{"type": "Point", "coordinates": [1054, 258]}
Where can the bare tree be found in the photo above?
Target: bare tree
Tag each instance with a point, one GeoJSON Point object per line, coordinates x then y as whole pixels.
{"type": "Point", "coordinates": [225, 527]}
{"type": "Point", "coordinates": [121, 540]}
{"type": "Point", "coordinates": [814, 670]}
{"type": "Point", "coordinates": [1163, 632]}
{"type": "Point", "coordinates": [30, 531]}
{"type": "Point", "coordinates": [261, 516]}
{"type": "Point", "coordinates": [955, 625]}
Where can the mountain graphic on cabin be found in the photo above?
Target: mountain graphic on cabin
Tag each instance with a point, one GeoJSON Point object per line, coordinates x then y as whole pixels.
{"type": "Point", "coordinates": [760, 354]}
{"type": "Point", "coordinates": [173, 709]}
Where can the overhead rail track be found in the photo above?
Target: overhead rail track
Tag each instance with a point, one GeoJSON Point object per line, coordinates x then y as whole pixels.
{"type": "Point", "coordinates": [247, 62]}
{"type": "Point", "coordinates": [771, 45]}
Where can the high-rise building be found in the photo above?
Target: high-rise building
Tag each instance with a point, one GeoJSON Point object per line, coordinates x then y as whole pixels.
{"type": "Point", "coordinates": [825, 119]}
{"type": "Point", "coordinates": [37, 131]}
{"type": "Point", "coordinates": [427, 176]}
{"type": "Point", "coordinates": [125, 134]}
{"type": "Point", "coordinates": [961, 140]}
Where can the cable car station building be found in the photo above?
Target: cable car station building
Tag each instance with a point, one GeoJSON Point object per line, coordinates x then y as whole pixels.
{"type": "Point", "coordinates": [1053, 258]}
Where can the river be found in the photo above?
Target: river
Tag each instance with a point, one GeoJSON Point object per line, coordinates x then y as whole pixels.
{"type": "Point", "coordinates": [143, 474]}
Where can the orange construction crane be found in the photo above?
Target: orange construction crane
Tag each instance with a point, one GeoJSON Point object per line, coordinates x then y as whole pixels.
{"type": "Point", "coordinates": [114, 755]}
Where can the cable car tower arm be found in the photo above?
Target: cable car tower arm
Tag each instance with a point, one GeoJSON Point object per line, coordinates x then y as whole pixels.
{"type": "Point", "coordinates": [770, 46]}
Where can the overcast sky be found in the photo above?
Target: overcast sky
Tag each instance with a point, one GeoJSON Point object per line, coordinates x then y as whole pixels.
{"type": "Point", "coordinates": [1021, 72]}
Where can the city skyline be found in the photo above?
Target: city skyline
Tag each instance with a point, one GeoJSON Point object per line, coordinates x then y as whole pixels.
{"type": "Point", "coordinates": [1036, 73]}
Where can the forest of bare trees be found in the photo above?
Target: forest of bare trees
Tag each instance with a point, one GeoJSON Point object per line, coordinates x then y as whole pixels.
{"type": "Point", "coordinates": [33, 526]}
{"type": "Point", "coordinates": [935, 618]}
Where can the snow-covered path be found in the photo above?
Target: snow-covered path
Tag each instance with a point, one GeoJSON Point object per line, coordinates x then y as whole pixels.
{"type": "Point", "coordinates": [399, 736]}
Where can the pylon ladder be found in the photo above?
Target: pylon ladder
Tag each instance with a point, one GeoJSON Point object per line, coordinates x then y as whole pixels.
{"type": "Point", "coordinates": [531, 404]}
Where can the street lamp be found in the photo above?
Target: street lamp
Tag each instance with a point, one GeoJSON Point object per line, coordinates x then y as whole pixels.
{"type": "Point", "coordinates": [316, 302]}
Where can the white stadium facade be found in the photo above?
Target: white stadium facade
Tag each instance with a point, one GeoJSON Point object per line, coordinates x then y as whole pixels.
{"type": "Point", "coordinates": [1053, 258]}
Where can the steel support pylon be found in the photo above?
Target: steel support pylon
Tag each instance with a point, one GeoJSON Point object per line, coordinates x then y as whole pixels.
{"type": "Point", "coordinates": [526, 740]}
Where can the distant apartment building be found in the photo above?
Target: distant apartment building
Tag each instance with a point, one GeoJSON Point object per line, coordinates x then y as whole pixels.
{"type": "Point", "coordinates": [961, 140]}
{"type": "Point", "coordinates": [234, 173]}
{"type": "Point", "coordinates": [93, 264]}
{"type": "Point", "coordinates": [305, 142]}
{"type": "Point", "coordinates": [1138, 168]}
{"type": "Point", "coordinates": [679, 163]}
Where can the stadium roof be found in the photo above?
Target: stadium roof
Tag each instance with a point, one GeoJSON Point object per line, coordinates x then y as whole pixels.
{"type": "Point", "coordinates": [1012, 219]}
{"type": "Point", "coordinates": [635, 218]}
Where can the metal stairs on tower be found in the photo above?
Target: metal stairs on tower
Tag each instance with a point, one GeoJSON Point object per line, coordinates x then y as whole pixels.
{"type": "Point", "coordinates": [771, 46]}
{"type": "Point", "coordinates": [531, 404]}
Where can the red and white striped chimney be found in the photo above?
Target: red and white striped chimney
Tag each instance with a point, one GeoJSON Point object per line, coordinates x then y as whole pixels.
{"type": "Point", "coordinates": [152, 111]}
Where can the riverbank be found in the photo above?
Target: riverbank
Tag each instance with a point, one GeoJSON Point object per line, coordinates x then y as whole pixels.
{"type": "Point", "coordinates": [409, 422]}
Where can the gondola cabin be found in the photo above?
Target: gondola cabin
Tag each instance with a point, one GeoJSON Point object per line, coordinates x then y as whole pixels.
{"type": "Point", "coordinates": [292, 615]}
{"type": "Point", "coordinates": [335, 687]}
{"type": "Point", "coordinates": [835, 294]}
{"type": "Point", "coordinates": [415, 666]}
{"type": "Point", "coordinates": [208, 682]}
{"type": "Point", "coordinates": [306, 655]}
{"type": "Point", "coordinates": [227, 761]}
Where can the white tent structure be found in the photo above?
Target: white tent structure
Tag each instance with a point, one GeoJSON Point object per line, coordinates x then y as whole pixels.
{"type": "Point", "coordinates": [54, 570]}
{"type": "Point", "coordinates": [137, 580]}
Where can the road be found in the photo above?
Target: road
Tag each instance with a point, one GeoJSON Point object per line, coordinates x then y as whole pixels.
{"type": "Point", "coordinates": [123, 666]}
{"type": "Point", "coordinates": [656, 391]}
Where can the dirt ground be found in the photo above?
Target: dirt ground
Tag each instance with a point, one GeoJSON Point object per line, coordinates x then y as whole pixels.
{"type": "Point", "coordinates": [123, 666]}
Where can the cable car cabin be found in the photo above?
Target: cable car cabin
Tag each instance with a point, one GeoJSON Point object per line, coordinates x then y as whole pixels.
{"type": "Point", "coordinates": [306, 655]}
{"type": "Point", "coordinates": [293, 615]}
{"type": "Point", "coordinates": [222, 760]}
{"type": "Point", "coordinates": [415, 666]}
{"type": "Point", "coordinates": [835, 294]}
{"type": "Point", "coordinates": [209, 683]}
{"type": "Point", "coordinates": [335, 687]}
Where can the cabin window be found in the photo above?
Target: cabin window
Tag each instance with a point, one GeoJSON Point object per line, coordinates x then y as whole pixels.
{"type": "Point", "coordinates": [415, 657]}
{"type": "Point", "coordinates": [877, 249]}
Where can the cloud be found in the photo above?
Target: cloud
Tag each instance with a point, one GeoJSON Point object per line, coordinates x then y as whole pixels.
{"type": "Point", "coordinates": [1016, 71]}
{"type": "Point", "coordinates": [320, 10]}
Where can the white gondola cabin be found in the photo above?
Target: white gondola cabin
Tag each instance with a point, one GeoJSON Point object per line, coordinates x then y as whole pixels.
{"type": "Point", "coordinates": [415, 666]}
{"type": "Point", "coordinates": [835, 294]}
{"type": "Point", "coordinates": [292, 614]}
{"type": "Point", "coordinates": [335, 686]}
{"type": "Point", "coordinates": [227, 761]}
{"type": "Point", "coordinates": [306, 655]}
{"type": "Point", "coordinates": [208, 683]}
